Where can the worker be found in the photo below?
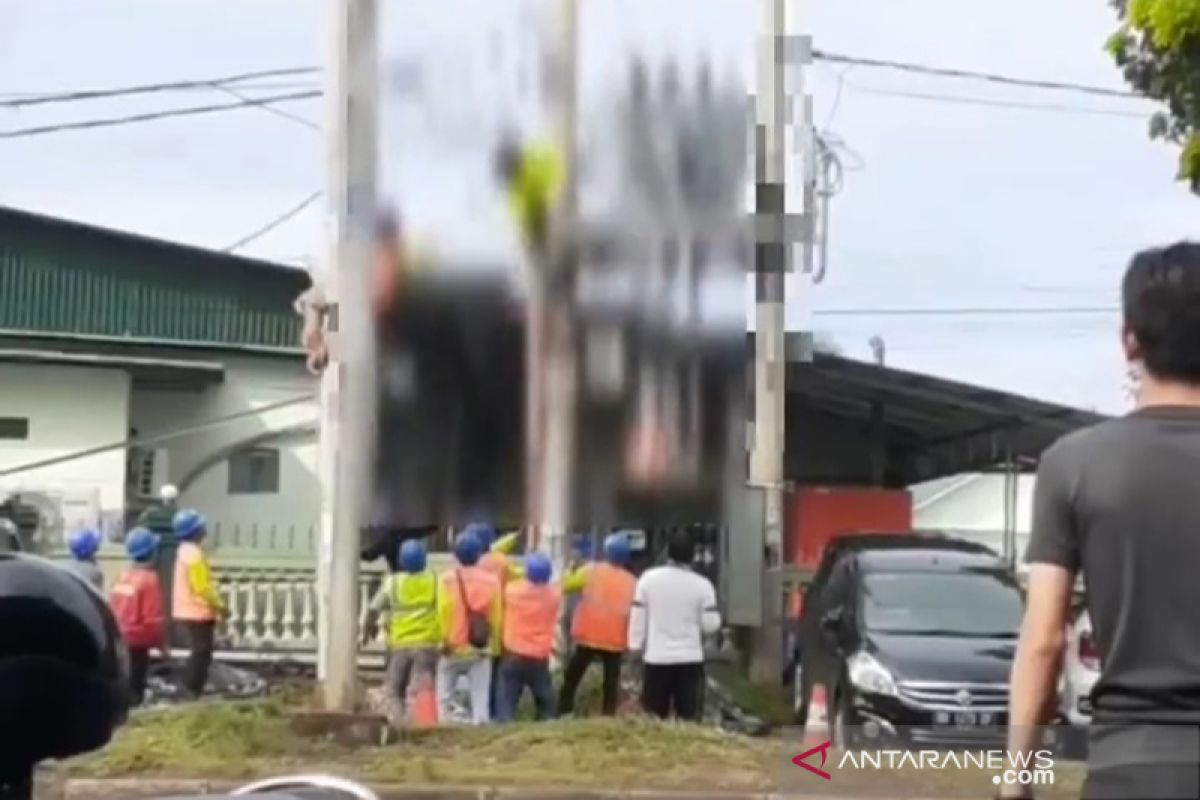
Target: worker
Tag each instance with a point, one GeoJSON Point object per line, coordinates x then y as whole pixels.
{"type": "Point", "coordinates": [533, 176]}
{"type": "Point", "coordinates": [469, 618]}
{"type": "Point", "coordinates": [531, 607]}
{"type": "Point", "coordinates": [496, 560]}
{"type": "Point", "coordinates": [673, 610]}
{"type": "Point", "coordinates": [409, 597]}
{"type": "Point", "coordinates": [137, 603]}
{"type": "Point", "coordinates": [600, 626]}
{"type": "Point", "coordinates": [195, 605]}
{"type": "Point", "coordinates": [84, 545]}
{"type": "Point", "coordinates": [496, 556]}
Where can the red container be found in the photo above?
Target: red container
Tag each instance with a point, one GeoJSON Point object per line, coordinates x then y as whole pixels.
{"type": "Point", "coordinates": [817, 514]}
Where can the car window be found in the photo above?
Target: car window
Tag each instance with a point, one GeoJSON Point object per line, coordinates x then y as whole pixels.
{"type": "Point", "coordinates": [941, 603]}
{"type": "Point", "coordinates": [837, 589]}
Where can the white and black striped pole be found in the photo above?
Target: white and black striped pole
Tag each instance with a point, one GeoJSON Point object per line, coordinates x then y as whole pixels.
{"type": "Point", "coordinates": [775, 233]}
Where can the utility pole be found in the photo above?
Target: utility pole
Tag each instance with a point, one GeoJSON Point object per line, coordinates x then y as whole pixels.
{"type": "Point", "coordinates": [347, 385]}
{"type": "Point", "coordinates": [772, 264]}
{"type": "Point", "coordinates": [553, 313]}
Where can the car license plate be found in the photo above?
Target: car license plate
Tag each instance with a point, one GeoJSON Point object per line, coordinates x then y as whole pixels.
{"type": "Point", "coordinates": [964, 719]}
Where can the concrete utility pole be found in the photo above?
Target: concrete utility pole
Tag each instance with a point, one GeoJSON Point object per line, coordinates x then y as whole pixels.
{"type": "Point", "coordinates": [554, 472]}
{"type": "Point", "coordinates": [347, 385]}
{"type": "Point", "coordinates": [772, 263]}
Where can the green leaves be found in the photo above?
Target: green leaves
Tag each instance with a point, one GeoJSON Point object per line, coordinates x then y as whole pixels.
{"type": "Point", "coordinates": [1157, 47]}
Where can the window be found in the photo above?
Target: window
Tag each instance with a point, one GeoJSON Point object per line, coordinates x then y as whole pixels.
{"type": "Point", "coordinates": [968, 603]}
{"type": "Point", "coordinates": [14, 427]}
{"type": "Point", "coordinates": [254, 471]}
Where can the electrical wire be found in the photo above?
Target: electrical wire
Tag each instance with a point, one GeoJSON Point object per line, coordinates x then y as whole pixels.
{"type": "Point", "coordinates": [278, 112]}
{"type": "Point", "coordinates": [258, 233]}
{"type": "Point", "coordinates": [965, 74]}
{"type": "Point", "coordinates": [985, 101]}
{"type": "Point", "coordinates": [965, 312]}
{"type": "Point", "coordinates": [151, 88]}
{"type": "Point", "coordinates": [155, 115]}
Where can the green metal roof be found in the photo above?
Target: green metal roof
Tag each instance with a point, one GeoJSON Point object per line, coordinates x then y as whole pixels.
{"type": "Point", "coordinates": [63, 278]}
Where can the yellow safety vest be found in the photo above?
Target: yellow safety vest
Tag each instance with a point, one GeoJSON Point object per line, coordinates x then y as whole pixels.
{"type": "Point", "coordinates": [414, 619]}
{"type": "Point", "coordinates": [535, 190]}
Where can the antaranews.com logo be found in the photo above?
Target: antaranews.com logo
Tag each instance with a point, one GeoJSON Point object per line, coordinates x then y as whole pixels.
{"type": "Point", "coordinates": [1034, 768]}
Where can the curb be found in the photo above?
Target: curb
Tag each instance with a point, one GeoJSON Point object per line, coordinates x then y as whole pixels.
{"type": "Point", "coordinates": [138, 788]}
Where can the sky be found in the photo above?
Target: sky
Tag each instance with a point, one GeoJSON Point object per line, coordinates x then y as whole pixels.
{"type": "Point", "coordinates": [949, 204]}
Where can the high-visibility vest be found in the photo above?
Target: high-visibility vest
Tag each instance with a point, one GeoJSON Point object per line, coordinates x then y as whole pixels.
{"type": "Point", "coordinates": [482, 590]}
{"type": "Point", "coordinates": [602, 617]}
{"type": "Point", "coordinates": [413, 621]}
{"type": "Point", "coordinates": [186, 604]}
{"type": "Point", "coordinates": [530, 618]}
{"type": "Point", "coordinates": [496, 563]}
{"type": "Point", "coordinates": [535, 189]}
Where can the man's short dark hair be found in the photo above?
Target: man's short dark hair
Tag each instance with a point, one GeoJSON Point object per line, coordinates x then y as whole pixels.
{"type": "Point", "coordinates": [1161, 300]}
{"type": "Point", "coordinates": [680, 548]}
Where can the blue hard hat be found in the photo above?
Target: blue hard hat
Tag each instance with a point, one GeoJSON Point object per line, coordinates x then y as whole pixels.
{"type": "Point", "coordinates": [84, 544]}
{"type": "Point", "coordinates": [484, 532]}
{"type": "Point", "coordinates": [538, 568]}
{"type": "Point", "coordinates": [141, 544]}
{"type": "Point", "coordinates": [467, 548]}
{"type": "Point", "coordinates": [189, 525]}
{"type": "Point", "coordinates": [617, 549]}
{"type": "Point", "coordinates": [412, 556]}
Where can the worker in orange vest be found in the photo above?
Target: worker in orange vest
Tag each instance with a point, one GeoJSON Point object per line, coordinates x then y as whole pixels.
{"type": "Point", "coordinates": [195, 604]}
{"type": "Point", "coordinates": [495, 559]}
{"type": "Point", "coordinates": [531, 607]}
{"type": "Point", "coordinates": [600, 627]}
{"type": "Point", "coordinates": [496, 552]}
{"type": "Point", "coordinates": [469, 617]}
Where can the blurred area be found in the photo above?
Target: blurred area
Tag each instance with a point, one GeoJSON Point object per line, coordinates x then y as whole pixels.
{"type": "Point", "coordinates": [646, 279]}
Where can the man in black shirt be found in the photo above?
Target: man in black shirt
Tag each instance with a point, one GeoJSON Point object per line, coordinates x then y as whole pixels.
{"type": "Point", "coordinates": [1119, 503]}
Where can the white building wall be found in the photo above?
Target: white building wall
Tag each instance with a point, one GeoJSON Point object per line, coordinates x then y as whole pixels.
{"type": "Point", "coordinates": [250, 382]}
{"type": "Point", "coordinates": [69, 409]}
{"type": "Point", "coordinates": [972, 506]}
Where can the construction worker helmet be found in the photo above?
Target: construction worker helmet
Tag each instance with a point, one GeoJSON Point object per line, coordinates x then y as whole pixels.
{"type": "Point", "coordinates": [141, 544]}
{"type": "Point", "coordinates": [412, 556]}
{"type": "Point", "coordinates": [538, 568]}
{"type": "Point", "coordinates": [64, 671]}
{"type": "Point", "coordinates": [484, 532]}
{"type": "Point", "coordinates": [617, 549]}
{"type": "Point", "coordinates": [189, 525]}
{"type": "Point", "coordinates": [84, 544]}
{"type": "Point", "coordinates": [467, 549]}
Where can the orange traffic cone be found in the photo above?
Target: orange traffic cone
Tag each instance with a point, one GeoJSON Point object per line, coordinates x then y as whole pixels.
{"type": "Point", "coordinates": [422, 704]}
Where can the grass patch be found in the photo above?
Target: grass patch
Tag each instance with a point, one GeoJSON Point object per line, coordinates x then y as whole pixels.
{"type": "Point", "coordinates": [253, 738]}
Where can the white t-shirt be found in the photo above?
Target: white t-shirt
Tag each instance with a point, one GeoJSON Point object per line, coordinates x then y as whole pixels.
{"type": "Point", "coordinates": [673, 608]}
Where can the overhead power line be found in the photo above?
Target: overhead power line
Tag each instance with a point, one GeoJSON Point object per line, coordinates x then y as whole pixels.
{"type": "Point", "coordinates": [966, 311]}
{"type": "Point", "coordinates": [275, 223]}
{"type": "Point", "coordinates": [278, 112]}
{"type": "Point", "coordinates": [990, 102]}
{"type": "Point", "coordinates": [156, 115]}
{"type": "Point", "coordinates": [965, 74]}
{"type": "Point", "coordinates": [152, 88]}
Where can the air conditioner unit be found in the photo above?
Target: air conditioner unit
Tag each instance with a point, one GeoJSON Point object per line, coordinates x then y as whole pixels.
{"type": "Point", "coordinates": [149, 469]}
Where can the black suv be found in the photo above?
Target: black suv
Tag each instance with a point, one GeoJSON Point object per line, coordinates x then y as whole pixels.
{"type": "Point", "coordinates": [912, 637]}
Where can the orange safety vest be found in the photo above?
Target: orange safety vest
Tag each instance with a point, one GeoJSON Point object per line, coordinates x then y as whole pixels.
{"type": "Point", "coordinates": [602, 618]}
{"type": "Point", "coordinates": [530, 618]}
{"type": "Point", "coordinates": [186, 604]}
{"type": "Point", "coordinates": [495, 563]}
{"type": "Point", "coordinates": [481, 589]}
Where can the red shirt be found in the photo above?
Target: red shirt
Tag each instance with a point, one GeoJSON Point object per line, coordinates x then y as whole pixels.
{"type": "Point", "coordinates": [137, 603]}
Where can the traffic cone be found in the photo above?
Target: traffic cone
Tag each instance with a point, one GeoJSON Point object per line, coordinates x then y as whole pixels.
{"type": "Point", "coordinates": [422, 704]}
